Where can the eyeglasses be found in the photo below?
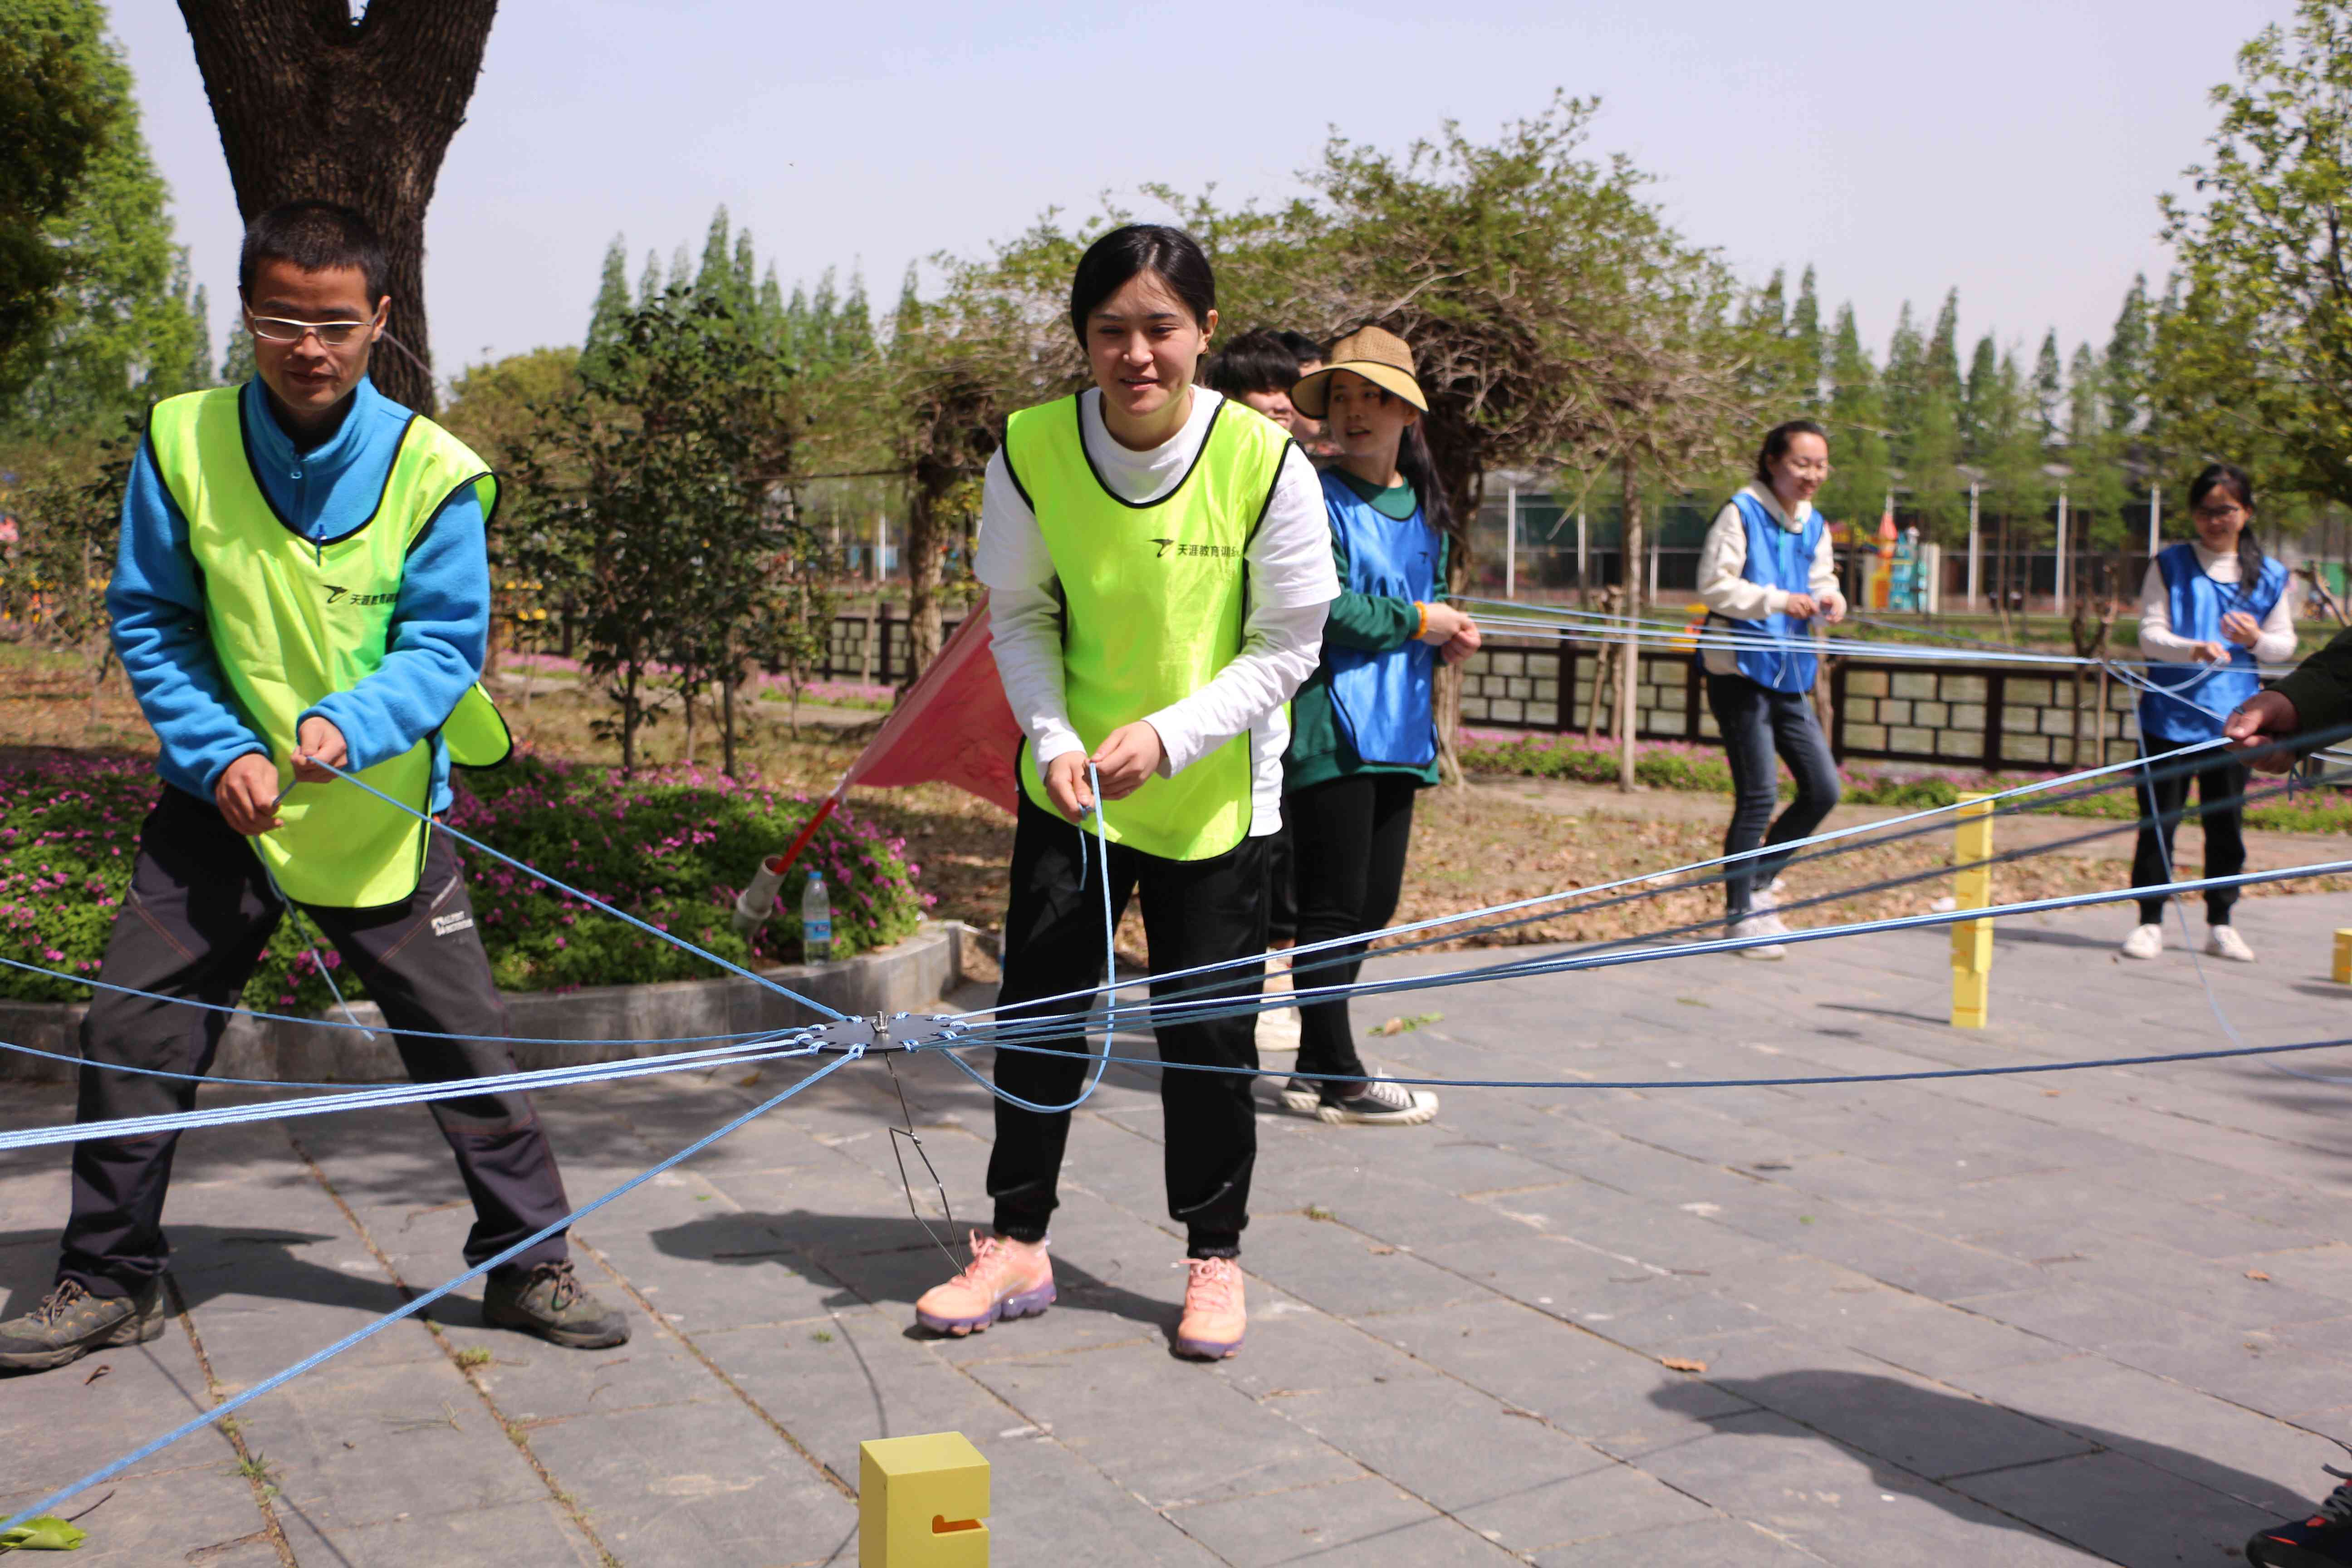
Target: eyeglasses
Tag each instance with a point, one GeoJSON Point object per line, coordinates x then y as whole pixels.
{"type": "Point", "coordinates": [279, 330]}
{"type": "Point", "coordinates": [2219, 513]}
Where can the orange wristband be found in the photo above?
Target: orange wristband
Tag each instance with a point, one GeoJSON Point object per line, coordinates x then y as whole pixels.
{"type": "Point", "coordinates": [1424, 609]}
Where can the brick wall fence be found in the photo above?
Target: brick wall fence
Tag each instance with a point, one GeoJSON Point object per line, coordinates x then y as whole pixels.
{"type": "Point", "coordinates": [1963, 716]}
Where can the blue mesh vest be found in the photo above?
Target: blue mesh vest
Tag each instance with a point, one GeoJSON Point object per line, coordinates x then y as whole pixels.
{"type": "Point", "coordinates": [2197, 603]}
{"type": "Point", "coordinates": [1780, 558]}
{"type": "Point", "coordinates": [1383, 699]}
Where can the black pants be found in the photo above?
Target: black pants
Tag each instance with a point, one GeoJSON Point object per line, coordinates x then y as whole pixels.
{"type": "Point", "coordinates": [1350, 837]}
{"type": "Point", "coordinates": [2225, 845]}
{"type": "Point", "coordinates": [1194, 911]}
{"type": "Point", "coordinates": [1281, 886]}
{"type": "Point", "coordinates": [198, 914]}
{"type": "Point", "coordinates": [1758, 722]}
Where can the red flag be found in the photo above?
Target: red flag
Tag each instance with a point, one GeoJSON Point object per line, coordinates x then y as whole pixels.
{"type": "Point", "coordinates": [953, 726]}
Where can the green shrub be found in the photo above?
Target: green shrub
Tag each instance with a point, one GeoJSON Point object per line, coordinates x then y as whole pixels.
{"type": "Point", "coordinates": [670, 847]}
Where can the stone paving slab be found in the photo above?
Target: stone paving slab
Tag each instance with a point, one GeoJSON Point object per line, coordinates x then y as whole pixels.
{"type": "Point", "coordinates": [1991, 1321]}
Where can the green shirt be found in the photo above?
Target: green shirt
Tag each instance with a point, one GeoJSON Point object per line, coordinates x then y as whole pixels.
{"type": "Point", "coordinates": [1319, 752]}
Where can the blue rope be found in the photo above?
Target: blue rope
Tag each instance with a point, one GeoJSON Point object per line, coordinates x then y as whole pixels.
{"type": "Point", "coordinates": [391, 1094]}
{"type": "Point", "coordinates": [1812, 1080]}
{"type": "Point", "coordinates": [318, 1358]}
{"type": "Point", "coordinates": [588, 898]}
{"type": "Point", "coordinates": [1110, 972]}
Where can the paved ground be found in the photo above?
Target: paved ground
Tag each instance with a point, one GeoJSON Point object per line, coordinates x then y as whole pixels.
{"type": "Point", "coordinates": [2105, 1317]}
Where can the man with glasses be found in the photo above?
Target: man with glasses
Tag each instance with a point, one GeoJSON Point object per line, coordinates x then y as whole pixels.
{"type": "Point", "coordinates": [301, 586]}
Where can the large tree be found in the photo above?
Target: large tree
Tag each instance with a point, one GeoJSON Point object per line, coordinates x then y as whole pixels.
{"type": "Point", "coordinates": [55, 114]}
{"type": "Point", "coordinates": [311, 102]}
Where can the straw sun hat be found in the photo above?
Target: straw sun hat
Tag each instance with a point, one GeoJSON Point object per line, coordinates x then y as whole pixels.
{"type": "Point", "coordinates": [1382, 358]}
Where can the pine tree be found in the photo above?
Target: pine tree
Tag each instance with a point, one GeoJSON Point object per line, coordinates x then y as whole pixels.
{"type": "Point", "coordinates": [604, 318]}
{"type": "Point", "coordinates": [816, 342]}
{"type": "Point", "coordinates": [2126, 364]}
{"type": "Point", "coordinates": [747, 273]}
{"type": "Point", "coordinates": [715, 279]}
{"type": "Point", "coordinates": [796, 338]}
{"type": "Point", "coordinates": [1805, 344]}
{"type": "Point", "coordinates": [907, 317]}
{"type": "Point", "coordinates": [774, 328]}
{"type": "Point", "coordinates": [1985, 370]}
{"type": "Point", "coordinates": [1943, 367]}
{"type": "Point", "coordinates": [2048, 389]}
{"type": "Point", "coordinates": [1904, 383]}
{"type": "Point", "coordinates": [649, 283]}
{"type": "Point", "coordinates": [1931, 467]}
{"type": "Point", "coordinates": [852, 329]}
{"type": "Point", "coordinates": [236, 356]}
{"type": "Point", "coordinates": [200, 360]}
{"type": "Point", "coordinates": [1857, 420]}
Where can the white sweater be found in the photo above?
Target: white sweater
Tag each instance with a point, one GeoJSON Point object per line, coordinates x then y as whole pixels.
{"type": "Point", "coordinates": [1292, 582]}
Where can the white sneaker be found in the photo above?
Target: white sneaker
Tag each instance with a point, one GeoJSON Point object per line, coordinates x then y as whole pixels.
{"type": "Point", "coordinates": [2224, 941]}
{"type": "Point", "coordinates": [1756, 926]}
{"type": "Point", "coordinates": [2145, 941]}
{"type": "Point", "coordinates": [1769, 899]}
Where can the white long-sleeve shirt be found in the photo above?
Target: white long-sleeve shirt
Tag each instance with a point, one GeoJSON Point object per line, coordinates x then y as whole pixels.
{"type": "Point", "coordinates": [1724, 557]}
{"type": "Point", "coordinates": [1291, 582]}
{"type": "Point", "coordinates": [2158, 640]}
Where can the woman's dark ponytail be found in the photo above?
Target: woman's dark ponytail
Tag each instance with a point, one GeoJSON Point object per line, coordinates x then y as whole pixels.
{"type": "Point", "coordinates": [1419, 471]}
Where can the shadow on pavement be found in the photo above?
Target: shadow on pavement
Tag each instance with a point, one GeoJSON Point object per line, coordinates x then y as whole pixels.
{"type": "Point", "coordinates": [1914, 1438]}
{"type": "Point", "coordinates": [881, 1262]}
{"type": "Point", "coordinates": [209, 1260]}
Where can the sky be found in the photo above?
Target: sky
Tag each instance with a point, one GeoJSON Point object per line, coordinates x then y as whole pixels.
{"type": "Point", "coordinates": [2014, 149]}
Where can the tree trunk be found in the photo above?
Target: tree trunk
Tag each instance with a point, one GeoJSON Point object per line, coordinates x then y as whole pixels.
{"type": "Point", "coordinates": [1629, 683]}
{"type": "Point", "coordinates": [923, 551]}
{"type": "Point", "coordinates": [726, 721]}
{"type": "Point", "coordinates": [311, 104]}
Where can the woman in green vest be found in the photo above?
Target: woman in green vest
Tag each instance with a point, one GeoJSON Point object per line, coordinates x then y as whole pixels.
{"type": "Point", "coordinates": [1158, 567]}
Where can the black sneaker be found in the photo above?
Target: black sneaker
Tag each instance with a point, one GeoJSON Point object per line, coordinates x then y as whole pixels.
{"type": "Point", "coordinates": [1378, 1103]}
{"type": "Point", "coordinates": [550, 1302]}
{"type": "Point", "coordinates": [2323, 1540]}
{"type": "Point", "coordinates": [70, 1322]}
{"type": "Point", "coordinates": [1302, 1095]}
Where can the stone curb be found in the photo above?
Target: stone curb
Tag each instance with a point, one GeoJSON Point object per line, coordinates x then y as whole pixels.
{"type": "Point", "coordinates": [908, 977]}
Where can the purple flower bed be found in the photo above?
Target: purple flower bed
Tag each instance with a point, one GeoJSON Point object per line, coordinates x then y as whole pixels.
{"type": "Point", "coordinates": [671, 847]}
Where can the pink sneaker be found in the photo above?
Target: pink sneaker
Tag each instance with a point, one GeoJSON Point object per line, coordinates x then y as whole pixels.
{"type": "Point", "coordinates": [1005, 1278]}
{"type": "Point", "coordinates": [1214, 1318]}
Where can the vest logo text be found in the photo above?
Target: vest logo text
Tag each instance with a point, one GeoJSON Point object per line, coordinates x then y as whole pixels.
{"type": "Point", "coordinates": [1207, 551]}
{"type": "Point", "coordinates": [337, 595]}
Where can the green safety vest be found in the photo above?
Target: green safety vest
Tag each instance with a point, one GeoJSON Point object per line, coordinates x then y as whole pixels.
{"type": "Point", "coordinates": [293, 620]}
{"type": "Point", "coordinates": [1153, 597]}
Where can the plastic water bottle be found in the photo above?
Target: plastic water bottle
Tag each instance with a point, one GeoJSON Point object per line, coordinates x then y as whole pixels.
{"type": "Point", "coordinates": [817, 921]}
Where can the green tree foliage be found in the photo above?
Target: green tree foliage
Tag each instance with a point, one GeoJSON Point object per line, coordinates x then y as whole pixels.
{"type": "Point", "coordinates": [650, 498]}
{"type": "Point", "coordinates": [1859, 456]}
{"type": "Point", "coordinates": [2048, 389]}
{"type": "Point", "coordinates": [495, 407]}
{"type": "Point", "coordinates": [2128, 363]}
{"type": "Point", "coordinates": [2256, 353]}
{"type": "Point", "coordinates": [124, 330]}
{"type": "Point", "coordinates": [611, 305]}
{"type": "Point", "coordinates": [1943, 361]}
{"type": "Point", "coordinates": [55, 114]}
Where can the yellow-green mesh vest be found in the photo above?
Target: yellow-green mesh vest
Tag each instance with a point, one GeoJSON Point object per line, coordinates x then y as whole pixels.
{"type": "Point", "coordinates": [292, 621]}
{"type": "Point", "coordinates": [1153, 597]}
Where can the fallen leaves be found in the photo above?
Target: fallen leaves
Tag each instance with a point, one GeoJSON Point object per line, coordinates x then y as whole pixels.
{"type": "Point", "coordinates": [1681, 1364]}
{"type": "Point", "coordinates": [2258, 1275]}
{"type": "Point", "coordinates": [1402, 1025]}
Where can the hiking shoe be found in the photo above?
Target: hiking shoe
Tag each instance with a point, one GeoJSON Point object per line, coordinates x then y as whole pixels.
{"type": "Point", "coordinates": [1766, 924]}
{"type": "Point", "coordinates": [549, 1300]}
{"type": "Point", "coordinates": [1381, 1102]}
{"type": "Point", "coordinates": [2322, 1541]}
{"type": "Point", "coordinates": [2145, 941]}
{"type": "Point", "coordinates": [2224, 941]}
{"type": "Point", "coordinates": [70, 1322]}
{"type": "Point", "coordinates": [1214, 1318]}
{"type": "Point", "coordinates": [1005, 1278]}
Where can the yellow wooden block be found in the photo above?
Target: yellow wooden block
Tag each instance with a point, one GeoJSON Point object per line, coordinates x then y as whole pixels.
{"type": "Point", "coordinates": [922, 1502]}
{"type": "Point", "coordinates": [1972, 947]}
{"type": "Point", "coordinates": [2342, 970]}
{"type": "Point", "coordinates": [1971, 995]}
